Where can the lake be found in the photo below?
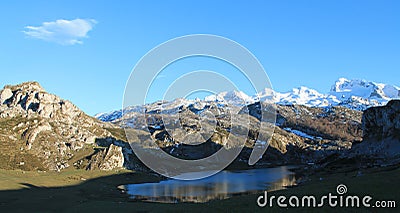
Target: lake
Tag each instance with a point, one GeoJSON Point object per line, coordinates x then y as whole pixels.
{"type": "Point", "coordinates": [222, 185]}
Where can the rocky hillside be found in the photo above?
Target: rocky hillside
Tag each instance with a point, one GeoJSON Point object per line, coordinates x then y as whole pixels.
{"type": "Point", "coordinates": [380, 144]}
{"type": "Point", "coordinates": [382, 122]}
{"type": "Point", "coordinates": [302, 134]}
{"type": "Point", "coordinates": [381, 136]}
{"type": "Point", "coordinates": [40, 131]}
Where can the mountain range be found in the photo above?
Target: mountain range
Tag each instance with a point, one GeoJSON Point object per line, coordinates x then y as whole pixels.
{"type": "Point", "coordinates": [41, 131]}
{"type": "Point", "coordinates": [353, 94]}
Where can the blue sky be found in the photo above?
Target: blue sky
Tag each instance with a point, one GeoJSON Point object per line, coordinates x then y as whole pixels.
{"type": "Point", "coordinates": [309, 43]}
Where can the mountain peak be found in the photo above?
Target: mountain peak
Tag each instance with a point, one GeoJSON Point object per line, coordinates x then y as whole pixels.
{"type": "Point", "coordinates": [234, 96]}
{"type": "Point", "coordinates": [346, 89]}
{"type": "Point", "coordinates": [48, 129]}
{"type": "Point", "coordinates": [26, 86]}
{"type": "Point", "coordinates": [30, 99]}
{"type": "Point", "coordinates": [304, 90]}
{"type": "Point", "coordinates": [343, 84]}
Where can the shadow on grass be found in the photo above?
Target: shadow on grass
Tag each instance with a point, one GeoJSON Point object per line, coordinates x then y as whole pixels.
{"type": "Point", "coordinates": [101, 195]}
{"type": "Point", "coordinates": [70, 198]}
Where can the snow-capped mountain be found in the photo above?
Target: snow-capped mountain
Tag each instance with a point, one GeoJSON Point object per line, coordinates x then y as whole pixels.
{"type": "Point", "coordinates": [361, 94]}
{"type": "Point", "coordinates": [235, 97]}
{"type": "Point", "coordinates": [345, 88]}
{"type": "Point", "coordinates": [110, 116]}
{"type": "Point", "coordinates": [304, 96]}
{"type": "Point", "coordinates": [353, 94]}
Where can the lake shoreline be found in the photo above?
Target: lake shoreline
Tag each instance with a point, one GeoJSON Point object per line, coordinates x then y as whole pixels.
{"type": "Point", "coordinates": [222, 185]}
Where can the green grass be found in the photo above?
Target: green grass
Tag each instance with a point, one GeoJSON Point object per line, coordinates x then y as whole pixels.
{"type": "Point", "coordinates": [12, 179]}
{"type": "Point", "coordinates": [95, 191]}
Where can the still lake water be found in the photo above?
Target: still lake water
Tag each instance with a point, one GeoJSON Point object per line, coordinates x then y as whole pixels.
{"type": "Point", "coordinates": [223, 185]}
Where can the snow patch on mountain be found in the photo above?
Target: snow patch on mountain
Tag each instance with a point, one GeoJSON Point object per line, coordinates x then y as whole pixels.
{"type": "Point", "coordinates": [300, 133]}
{"type": "Point", "coordinates": [305, 96]}
{"type": "Point", "coordinates": [353, 94]}
{"type": "Point", "coordinates": [232, 97]}
{"type": "Point", "coordinates": [114, 115]}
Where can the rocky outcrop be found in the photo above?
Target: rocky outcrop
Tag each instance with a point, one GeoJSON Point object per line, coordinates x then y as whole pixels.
{"type": "Point", "coordinates": [30, 100]}
{"type": "Point", "coordinates": [49, 131]}
{"type": "Point", "coordinates": [5, 95]}
{"type": "Point", "coordinates": [381, 136]}
{"type": "Point", "coordinates": [382, 122]}
{"type": "Point", "coordinates": [107, 159]}
{"type": "Point", "coordinates": [31, 133]}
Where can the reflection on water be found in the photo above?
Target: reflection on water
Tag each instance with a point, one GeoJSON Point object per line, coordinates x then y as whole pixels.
{"type": "Point", "coordinates": [220, 186]}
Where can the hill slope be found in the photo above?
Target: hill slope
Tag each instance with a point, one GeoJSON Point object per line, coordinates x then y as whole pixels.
{"type": "Point", "coordinates": [40, 131]}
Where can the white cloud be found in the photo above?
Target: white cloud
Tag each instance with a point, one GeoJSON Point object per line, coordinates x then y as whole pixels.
{"type": "Point", "coordinates": [65, 32]}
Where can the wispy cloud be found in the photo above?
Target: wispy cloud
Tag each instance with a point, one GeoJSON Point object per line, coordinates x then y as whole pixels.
{"type": "Point", "coordinates": [65, 32]}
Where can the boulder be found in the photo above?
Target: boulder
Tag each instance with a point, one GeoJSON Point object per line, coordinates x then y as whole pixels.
{"type": "Point", "coordinates": [5, 95]}
{"type": "Point", "coordinates": [107, 159]}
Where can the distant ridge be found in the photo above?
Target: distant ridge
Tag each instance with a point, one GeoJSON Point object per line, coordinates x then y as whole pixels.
{"type": "Point", "coordinates": [353, 94]}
